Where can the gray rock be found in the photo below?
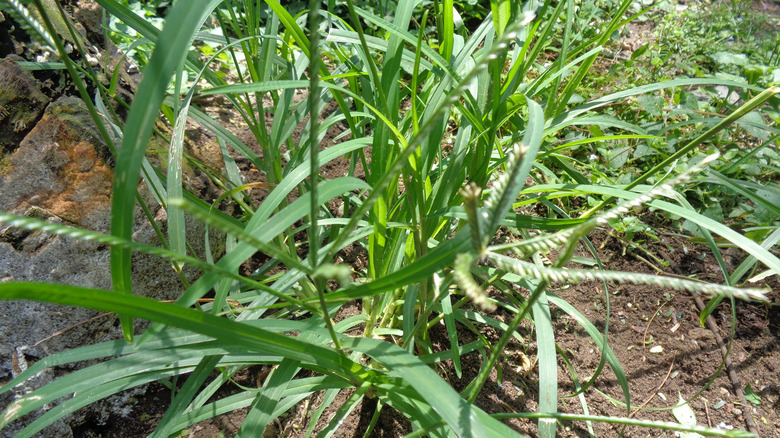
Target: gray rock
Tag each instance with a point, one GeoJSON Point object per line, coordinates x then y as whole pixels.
{"type": "Point", "coordinates": [59, 173]}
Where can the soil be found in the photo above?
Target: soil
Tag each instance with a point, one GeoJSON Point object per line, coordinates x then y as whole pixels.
{"type": "Point", "coordinates": [640, 318]}
{"type": "Point", "coordinates": [643, 317]}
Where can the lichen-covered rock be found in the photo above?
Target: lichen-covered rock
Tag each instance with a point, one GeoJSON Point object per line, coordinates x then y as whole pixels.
{"type": "Point", "coordinates": [60, 173]}
{"type": "Point", "coordinates": [59, 167]}
{"type": "Point", "coordinates": [21, 101]}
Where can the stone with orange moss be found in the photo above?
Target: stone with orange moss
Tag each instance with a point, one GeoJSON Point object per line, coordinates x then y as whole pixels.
{"type": "Point", "coordinates": [57, 167]}
{"type": "Point", "coordinates": [61, 172]}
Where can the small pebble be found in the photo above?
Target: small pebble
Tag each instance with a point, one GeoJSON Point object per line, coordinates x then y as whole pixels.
{"type": "Point", "coordinates": [736, 412]}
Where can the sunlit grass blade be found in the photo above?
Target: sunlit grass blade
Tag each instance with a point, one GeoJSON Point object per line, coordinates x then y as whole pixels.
{"type": "Point", "coordinates": [548, 364]}
{"type": "Point", "coordinates": [176, 224]}
{"type": "Point", "coordinates": [750, 261]}
{"type": "Point", "coordinates": [552, 124]}
{"type": "Point", "coordinates": [447, 29]}
{"type": "Point", "coordinates": [180, 28]}
{"type": "Point", "coordinates": [267, 398]}
{"type": "Point", "coordinates": [502, 10]}
{"type": "Point", "coordinates": [452, 332]}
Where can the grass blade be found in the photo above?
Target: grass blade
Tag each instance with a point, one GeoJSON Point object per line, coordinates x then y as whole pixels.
{"type": "Point", "coordinates": [548, 365]}
{"type": "Point", "coordinates": [185, 396]}
{"type": "Point", "coordinates": [184, 21]}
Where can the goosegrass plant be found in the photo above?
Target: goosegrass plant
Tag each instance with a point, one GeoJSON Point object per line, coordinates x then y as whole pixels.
{"type": "Point", "coordinates": [424, 215]}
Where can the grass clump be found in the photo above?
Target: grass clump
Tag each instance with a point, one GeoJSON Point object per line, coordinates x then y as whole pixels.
{"type": "Point", "coordinates": [510, 87]}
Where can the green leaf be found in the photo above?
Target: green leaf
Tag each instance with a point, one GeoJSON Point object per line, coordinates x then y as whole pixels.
{"type": "Point", "coordinates": [447, 28]}
{"type": "Point", "coordinates": [730, 58]}
{"type": "Point", "coordinates": [751, 395]}
{"type": "Point", "coordinates": [267, 398]}
{"type": "Point", "coordinates": [652, 104]}
{"type": "Point", "coordinates": [755, 125]}
{"type": "Point", "coordinates": [601, 343]}
{"type": "Point", "coordinates": [452, 331]}
{"type": "Point", "coordinates": [502, 9]}
{"type": "Point", "coordinates": [185, 395]}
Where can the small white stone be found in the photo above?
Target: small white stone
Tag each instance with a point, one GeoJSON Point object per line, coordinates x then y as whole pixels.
{"type": "Point", "coordinates": [92, 60]}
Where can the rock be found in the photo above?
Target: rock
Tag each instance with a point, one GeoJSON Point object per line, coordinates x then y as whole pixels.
{"type": "Point", "coordinates": [60, 167]}
{"type": "Point", "coordinates": [21, 102]}
{"type": "Point", "coordinates": [701, 334]}
{"type": "Point", "coordinates": [61, 173]}
{"type": "Point", "coordinates": [725, 92]}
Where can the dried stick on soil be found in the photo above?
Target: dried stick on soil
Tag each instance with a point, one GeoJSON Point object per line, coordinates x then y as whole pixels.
{"type": "Point", "coordinates": [644, 336]}
{"type": "Point", "coordinates": [655, 391]}
{"type": "Point", "coordinates": [71, 327]}
{"type": "Point", "coordinates": [735, 383]}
